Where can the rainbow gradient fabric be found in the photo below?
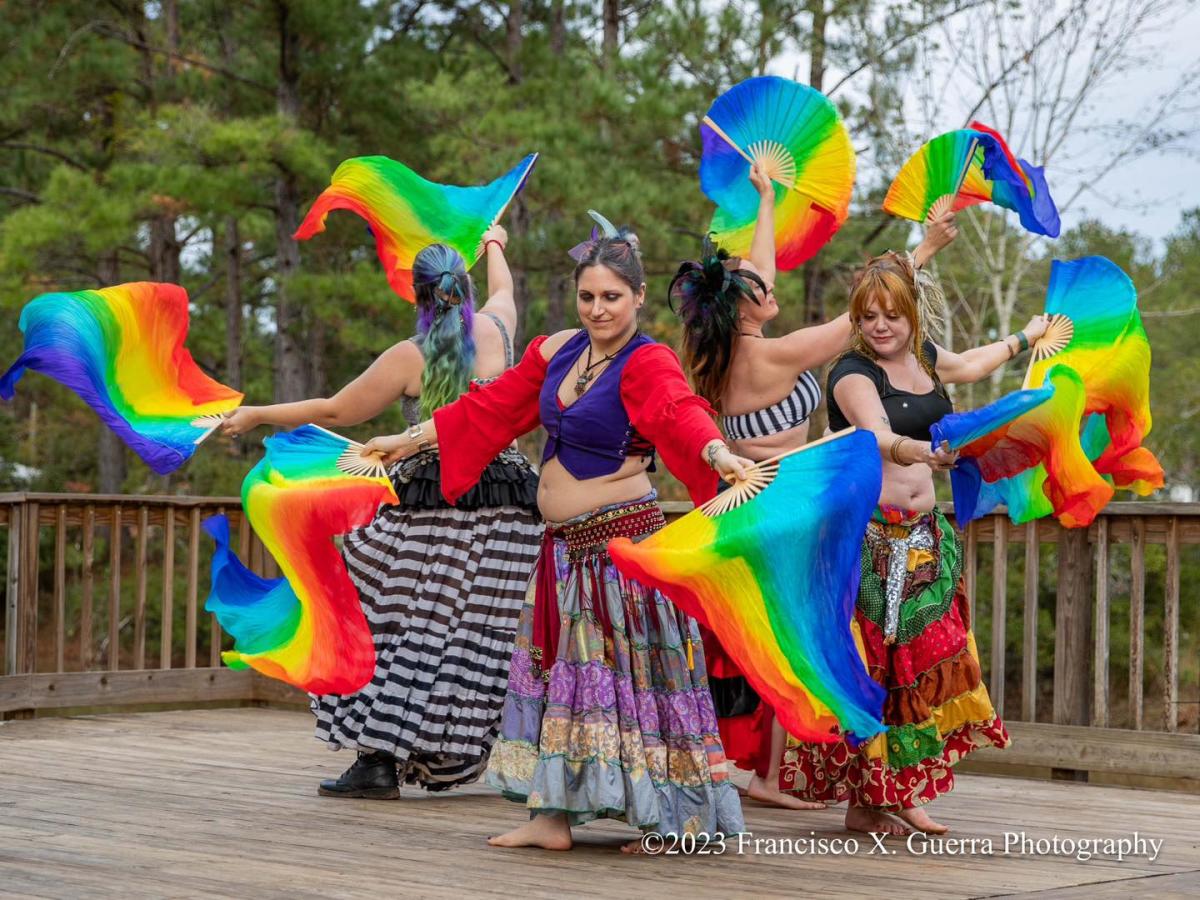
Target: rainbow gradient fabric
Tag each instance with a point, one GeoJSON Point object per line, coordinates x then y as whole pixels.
{"type": "Point", "coordinates": [1065, 456]}
{"type": "Point", "coordinates": [121, 349]}
{"type": "Point", "coordinates": [799, 133]}
{"type": "Point", "coordinates": [306, 627]}
{"type": "Point", "coordinates": [1111, 351]}
{"type": "Point", "coordinates": [974, 165]}
{"type": "Point", "coordinates": [407, 213]}
{"type": "Point", "coordinates": [776, 580]}
{"type": "Point", "coordinates": [1018, 433]}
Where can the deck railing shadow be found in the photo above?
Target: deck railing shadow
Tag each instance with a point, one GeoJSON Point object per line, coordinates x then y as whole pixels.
{"type": "Point", "coordinates": [1090, 643]}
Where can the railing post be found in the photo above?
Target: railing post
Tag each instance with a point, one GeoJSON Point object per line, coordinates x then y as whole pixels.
{"type": "Point", "coordinates": [1100, 652]}
{"type": "Point", "coordinates": [12, 590]}
{"type": "Point", "coordinates": [999, 610]}
{"type": "Point", "coordinates": [1073, 629]}
{"type": "Point", "coordinates": [1137, 622]}
{"type": "Point", "coordinates": [1171, 630]}
{"type": "Point", "coordinates": [27, 597]}
{"type": "Point", "coordinates": [1029, 642]}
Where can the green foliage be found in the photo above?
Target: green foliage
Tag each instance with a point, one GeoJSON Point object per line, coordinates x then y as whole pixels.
{"type": "Point", "coordinates": [102, 141]}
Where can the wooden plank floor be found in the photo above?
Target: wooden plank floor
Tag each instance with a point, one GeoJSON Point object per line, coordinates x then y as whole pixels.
{"type": "Point", "coordinates": [223, 803]}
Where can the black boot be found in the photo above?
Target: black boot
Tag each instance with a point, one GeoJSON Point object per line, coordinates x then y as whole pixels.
{"type": "Point", "coordinates": [372, 776]}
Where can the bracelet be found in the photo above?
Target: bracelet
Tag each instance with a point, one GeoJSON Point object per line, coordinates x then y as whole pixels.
{"type": "Point", "coordinates": [1023, 341]}
{"type": "Point", "coordinates": [711, 453]}
{"type": "Point", "coordinates": [414, 433]}
{"type": "Point", "coordinates": [492, 241]}
{"type": "Point", "coordinates": [893, 451]}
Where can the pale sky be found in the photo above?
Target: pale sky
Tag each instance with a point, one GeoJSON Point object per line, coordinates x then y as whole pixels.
{"type": "Point", "coordinates": [1147, 195]}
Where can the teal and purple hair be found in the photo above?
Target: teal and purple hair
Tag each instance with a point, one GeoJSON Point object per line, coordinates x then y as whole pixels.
{"type": "Point", "coordinates": [445, 325]}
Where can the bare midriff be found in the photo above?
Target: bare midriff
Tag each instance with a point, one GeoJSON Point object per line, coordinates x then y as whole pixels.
{"type": "Point", "coordinates": [908, 487]}
{"type": "Point", "coordinates": [771, 445]}
{"type": "Point", "coordinates": [562, 496]}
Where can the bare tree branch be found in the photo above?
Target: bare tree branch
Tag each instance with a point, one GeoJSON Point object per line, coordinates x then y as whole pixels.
{"type": "Point", "coordinates": [48, 151]}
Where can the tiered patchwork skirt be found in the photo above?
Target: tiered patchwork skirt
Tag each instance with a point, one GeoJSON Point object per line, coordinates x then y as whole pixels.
{"type": "Point", "coordinates": [608, 713]}
{"type": "Point", "coordinates": [937, 708]}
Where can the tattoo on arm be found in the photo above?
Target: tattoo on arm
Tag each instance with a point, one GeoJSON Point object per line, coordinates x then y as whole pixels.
{"type": "Point", "coordinates": [886, 421]}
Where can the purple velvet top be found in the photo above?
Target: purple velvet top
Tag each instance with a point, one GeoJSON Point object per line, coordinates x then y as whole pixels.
{"type": "Point", "coordinates": [593, 435]}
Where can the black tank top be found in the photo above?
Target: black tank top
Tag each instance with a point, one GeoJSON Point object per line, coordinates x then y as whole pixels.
{"type": "Point", "coordinates": [910, 414]}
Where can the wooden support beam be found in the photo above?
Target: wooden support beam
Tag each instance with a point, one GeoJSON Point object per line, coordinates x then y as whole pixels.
{"type": "Point", "coordinates": [1171, 631]}
{"type": "Point", "coordinates": [139, 608]}
{"type": "Point", "coordinates": [114, 590]}
{"type": "Point", "coordinates": [1100, 619]}
{"type": "Point", "coordinates": [12, 589]}
{"type": "Point", "coordinates": [88, 578]}
{"type": "Point", "coordinates": [60, 587]}
{"type": "Point", "coordinates": [1029, 644]}
{"type": "Point", "coordinates": [1073, 629]}
{"type": "Point", "coordinates": [999, 614]}
{"type": "Point", "coordinates": [168, 591]}
{"type": "Point", "coordinates": [1137, 623]}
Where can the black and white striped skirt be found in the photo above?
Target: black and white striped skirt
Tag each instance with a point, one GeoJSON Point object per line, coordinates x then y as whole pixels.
{"type": "Point", "coordinates": [441, 589]}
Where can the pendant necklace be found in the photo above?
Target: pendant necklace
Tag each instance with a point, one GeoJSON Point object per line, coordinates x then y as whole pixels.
{"type": "Point", "coordinates": [588, 373]}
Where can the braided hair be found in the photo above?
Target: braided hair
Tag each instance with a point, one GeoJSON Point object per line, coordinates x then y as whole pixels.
{"type": "Point", "coordinates": [708, 291]}
{"type": "Point", "coordinates": [445, 325]}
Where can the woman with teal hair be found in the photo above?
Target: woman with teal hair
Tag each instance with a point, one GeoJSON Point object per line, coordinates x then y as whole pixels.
{"type": "Point", "coordinates": [441, 584]}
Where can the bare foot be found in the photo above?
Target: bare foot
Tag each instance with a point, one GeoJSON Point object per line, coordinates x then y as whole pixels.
{"type": "Point", "coordinates": [762, 792]}
{"type": "Point", "coordinates": [639, 848]}
{"type": "Point", "coordinates": [550, 832]}
{"type": "Point", "coordinates": [872, 820]}
{"type": "Point", "coordinates": [919, 819]}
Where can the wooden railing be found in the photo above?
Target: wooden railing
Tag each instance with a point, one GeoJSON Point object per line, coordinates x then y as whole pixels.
{"type": "Point", "coordinates": [103, 602]}
{"type": "Point", "coordinates": [104, 607]}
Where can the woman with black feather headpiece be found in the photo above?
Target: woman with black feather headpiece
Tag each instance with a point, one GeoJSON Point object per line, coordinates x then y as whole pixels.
{"type": "Point", "coordinates": [765, 392]}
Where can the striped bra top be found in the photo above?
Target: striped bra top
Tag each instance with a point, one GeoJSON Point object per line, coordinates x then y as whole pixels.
{"type": "Point", "coordinates": [790, 412]}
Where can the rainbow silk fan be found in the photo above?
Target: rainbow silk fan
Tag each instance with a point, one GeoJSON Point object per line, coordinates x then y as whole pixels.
{"type": "Point", "coordinates": [407, 213]}
{"type": "Point", "coordinates": [797, 132]}
{"type": "Point", "coordinates": [772, 567]}
{"type": "Point", "coordinates": [121, 349]}
{"type": "Point", "coordinates": [307, 627]}
{"type": "Point", "coordinates": [963, 168]}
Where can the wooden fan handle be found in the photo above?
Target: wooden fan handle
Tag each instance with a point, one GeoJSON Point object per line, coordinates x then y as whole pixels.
{"type": "Point", "coordinates": [940, 207]}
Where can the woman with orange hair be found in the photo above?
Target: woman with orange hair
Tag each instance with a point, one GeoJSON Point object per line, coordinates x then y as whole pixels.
{"type": "Point", "coordinates": [763, 387]}
{"type": "Point", "coordinates": [912, 613]}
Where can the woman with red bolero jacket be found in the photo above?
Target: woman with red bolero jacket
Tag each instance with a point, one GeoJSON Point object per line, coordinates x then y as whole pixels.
{"type": "Point", "coordinates": [608, 712]}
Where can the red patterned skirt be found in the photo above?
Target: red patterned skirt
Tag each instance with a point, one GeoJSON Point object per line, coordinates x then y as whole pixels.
{"type": "Point", "coordinates": [921, 649]}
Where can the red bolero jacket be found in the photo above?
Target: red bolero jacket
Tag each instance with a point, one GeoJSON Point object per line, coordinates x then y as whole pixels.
{"type": "Point", "coordinates": [654, 391]}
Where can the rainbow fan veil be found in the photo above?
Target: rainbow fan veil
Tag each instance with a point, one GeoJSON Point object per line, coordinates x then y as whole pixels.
{"type": "Point", "coordinates": [1096, 330]}
{"type": "Point", "coordinates": [1020, 431]}
{"type": "Point", "coordinates": [407, 213]}
{"type": "Point", "coordinates": [772, 567]}
{"type": "Point", "coordinates": [1065, 457]}
{"type": "Point", "coordinates": [797, 132]}
{"type": "Point", "coordinates": [121, 349]}
{"type": "Point", "coordinates": [970, 166]}
{"type": "Point", "coordinates": [307, 627]}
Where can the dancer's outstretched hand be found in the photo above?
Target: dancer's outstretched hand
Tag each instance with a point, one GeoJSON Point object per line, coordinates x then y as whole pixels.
{"type": "Point", "coordinates": [761, 180]}
{"type": "Point", "coordinates": [391, 447]}
{"type": "Point", "coordinates": [241, 420]}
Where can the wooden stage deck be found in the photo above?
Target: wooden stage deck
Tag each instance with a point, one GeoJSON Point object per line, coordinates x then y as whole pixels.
{"type": "Point", "coordinates": [223, 803]}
